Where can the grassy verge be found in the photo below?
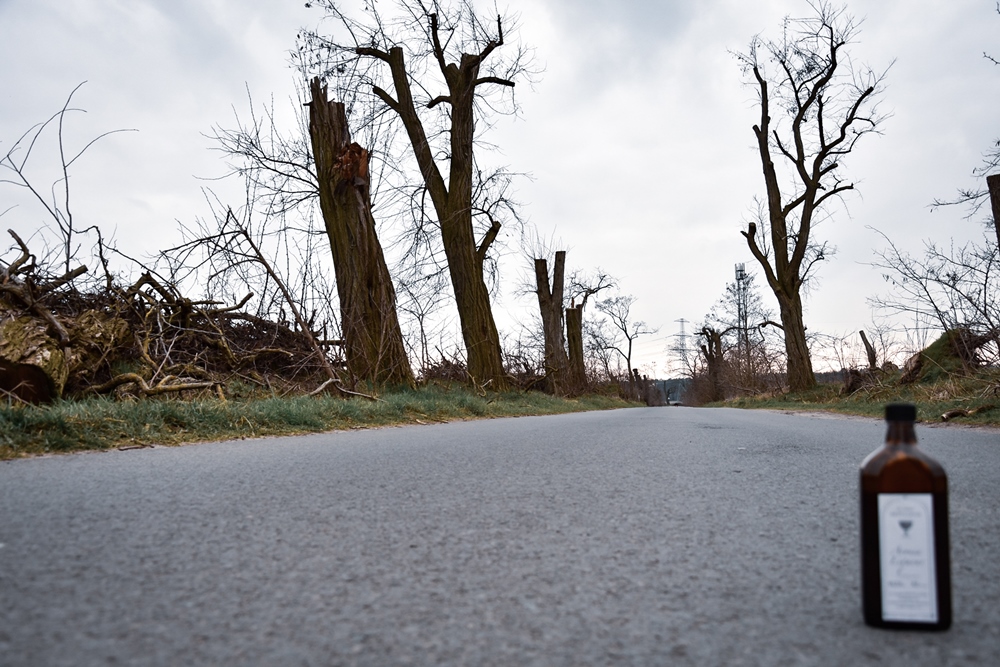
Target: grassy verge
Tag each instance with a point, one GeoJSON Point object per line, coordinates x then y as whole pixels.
{"type": "Point", "coordinates": [979, 394]}
{"type": "Point", "coordinates": [104, 424]}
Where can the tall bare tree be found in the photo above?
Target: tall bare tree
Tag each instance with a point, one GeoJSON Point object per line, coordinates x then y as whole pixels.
{"type": "Point", "coordinates": [825, 104]}
{"type": "Point", "coordinates": [430, 46]}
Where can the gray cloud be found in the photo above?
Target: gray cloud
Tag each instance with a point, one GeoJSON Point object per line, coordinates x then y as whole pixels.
{"type": "Point", "coordinates": [638, 133]}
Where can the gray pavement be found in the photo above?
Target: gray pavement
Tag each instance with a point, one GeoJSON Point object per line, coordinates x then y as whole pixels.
{"type": "Point", "coordinates": [659, 536]}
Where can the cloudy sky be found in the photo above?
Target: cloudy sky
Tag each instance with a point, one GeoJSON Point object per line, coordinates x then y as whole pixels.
{"type": "Point", "coordinates": [637, 134]}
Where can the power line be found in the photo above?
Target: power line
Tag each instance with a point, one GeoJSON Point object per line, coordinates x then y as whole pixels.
{"type": "Point", "coordinates": [681, 348]}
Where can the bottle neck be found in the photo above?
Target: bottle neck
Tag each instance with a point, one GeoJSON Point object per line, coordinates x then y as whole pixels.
{"type": "Point", "coordinates": [901, 433]}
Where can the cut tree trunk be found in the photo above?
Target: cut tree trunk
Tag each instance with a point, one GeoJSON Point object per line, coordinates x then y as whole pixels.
{"type": "Point", "coordinates": [577, 372]}
{"type": "Point", "coordinates": [373, 341]}
{"type": "Point", "coordinates": [799, 364]}
{"type": "Point", "coordinates": [712, 351]}
{"type": "Point", "coordinates": [870, 351]}
{"type": "Point", "coordinates": [550, 303]}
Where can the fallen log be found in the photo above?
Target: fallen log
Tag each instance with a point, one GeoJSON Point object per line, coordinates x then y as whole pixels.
{"type": "Point", "coordinates": [960, 412]}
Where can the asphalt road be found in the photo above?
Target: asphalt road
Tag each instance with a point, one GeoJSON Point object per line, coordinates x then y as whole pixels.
{"type": "Point", "coordinates": [658, 536]}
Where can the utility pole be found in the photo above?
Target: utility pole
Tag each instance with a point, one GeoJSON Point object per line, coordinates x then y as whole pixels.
{"type": "Point", "coordinates": [681, 349]}
{"type": "Point", "coordinates": [743, 316]}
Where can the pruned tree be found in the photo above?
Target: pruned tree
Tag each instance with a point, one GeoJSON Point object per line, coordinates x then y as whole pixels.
{"type": "Point", "coordinates": [550, 305]}
{"type": "Point", "coordinates": [711, 350]}
{"type": "Point", "coordinates": [434, 67]}
{"type": "Point", "coordinates": [171, 330]}
{"type": "Point", "coordinates": [373, 341]}
{"type": "Point", "coordinates": [824, 104]}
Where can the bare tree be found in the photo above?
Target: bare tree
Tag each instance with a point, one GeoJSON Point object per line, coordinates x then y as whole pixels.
{"type": "Point", "coordinates": [580, 288]}
{"type": "Point", "coordinates": [395, 59]}
{"type": "Point", "coordinates": [604, 363]}
{"type": "Point", "coordinates": [826, 104]}
{"type": "Point", "coordinates": [618, 310]}
{"type": "Point", "coordinates": [953, 289]}
{"type": "Point", "coordinates": [421, 297]}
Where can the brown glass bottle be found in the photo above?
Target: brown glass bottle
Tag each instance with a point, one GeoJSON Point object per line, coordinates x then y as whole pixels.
{"type": "Point", "coordinates": [905, 554]}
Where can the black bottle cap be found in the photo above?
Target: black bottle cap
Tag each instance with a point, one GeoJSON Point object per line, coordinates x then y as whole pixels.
{"type": "Point", "coordinates": [901, 412]}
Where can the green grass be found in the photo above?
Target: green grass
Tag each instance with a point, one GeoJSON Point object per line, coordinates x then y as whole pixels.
{"type": "Point", "coordinates": [979, 392]}
{"type": "Point", "coordinates": [100, 423]}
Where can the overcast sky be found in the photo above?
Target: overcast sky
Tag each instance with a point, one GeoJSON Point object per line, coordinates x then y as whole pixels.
{"type": "Point", "coordinates": [637, 134]}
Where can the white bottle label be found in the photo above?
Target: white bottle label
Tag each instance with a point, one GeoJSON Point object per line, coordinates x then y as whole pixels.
{"type": "Point", "coordinates": [906, 549]}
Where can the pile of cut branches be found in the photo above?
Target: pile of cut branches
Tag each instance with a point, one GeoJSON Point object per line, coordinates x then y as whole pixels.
{"type": "Point", "coordinates": [142, 340]}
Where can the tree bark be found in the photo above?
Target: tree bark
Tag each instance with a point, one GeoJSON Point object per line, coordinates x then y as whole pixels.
{"type": "Point", "coordinates": [465, 257]}
{"type": "Point", "coordinates": [550, 303]}
{"type": "Point", "coordinates": [993, 183]}
{"type": "Point", "coordinates": [712, 351]}
{"type": "Point", "coordinates": [577, 371]}
{"type": "Point", "coordinates": [799, 363]}
{"type": "Point", "coordinates": [373, 341]}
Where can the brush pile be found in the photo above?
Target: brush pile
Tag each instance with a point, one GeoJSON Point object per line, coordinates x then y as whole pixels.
{"type": "Point", "coordinates": [145, 339]}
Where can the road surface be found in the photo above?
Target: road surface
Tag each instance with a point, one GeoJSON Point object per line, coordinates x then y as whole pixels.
{"type": "Point", "coordinates": [656, 536]}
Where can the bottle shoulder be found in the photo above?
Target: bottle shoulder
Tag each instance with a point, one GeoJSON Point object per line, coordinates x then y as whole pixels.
{"type": "Point", "coordinates": [902, 468]}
